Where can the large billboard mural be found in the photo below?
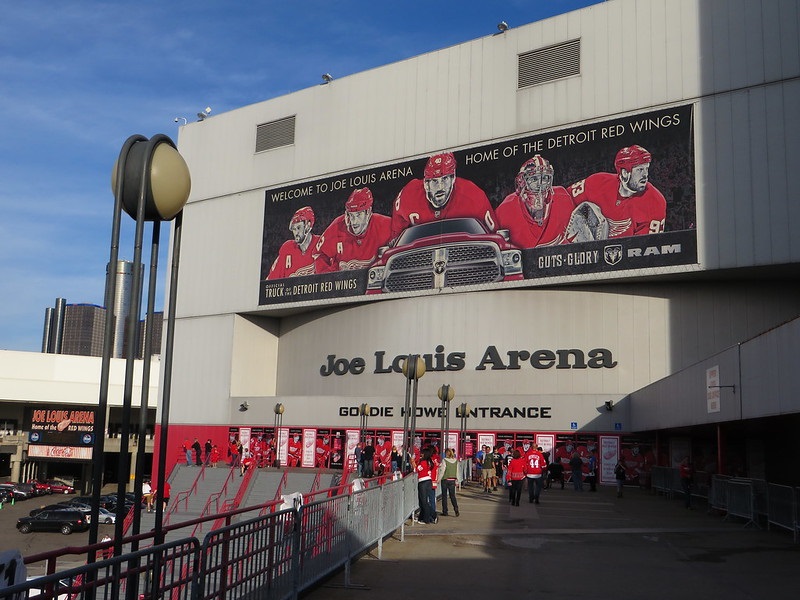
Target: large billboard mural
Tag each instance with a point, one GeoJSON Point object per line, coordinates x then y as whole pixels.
{"type": "Point", "coordinates": [617, 195]}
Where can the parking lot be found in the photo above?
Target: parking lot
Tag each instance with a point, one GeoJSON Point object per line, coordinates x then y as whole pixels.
{"type": "Point", "coordinates": [38, 542]}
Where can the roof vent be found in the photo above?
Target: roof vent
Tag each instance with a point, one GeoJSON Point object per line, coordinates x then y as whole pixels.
{"type": "Point", "coordinates": [275, 134]}
{"type": "Point", "coordinates": [549, 64]}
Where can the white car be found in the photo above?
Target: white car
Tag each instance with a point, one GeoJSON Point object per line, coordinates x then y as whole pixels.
{"type": "Point", "coordinates": [106, 516]}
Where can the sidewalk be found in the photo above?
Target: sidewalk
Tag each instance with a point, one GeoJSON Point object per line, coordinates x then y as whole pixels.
{"type": "Point", "coordinates": [575, 545]}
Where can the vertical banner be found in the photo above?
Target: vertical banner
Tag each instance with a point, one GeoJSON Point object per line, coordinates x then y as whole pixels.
{"type": "Point", "coordinates": [397, 440]}
{"type": "Point", "coordinates": [350, 447]}
{"type": "Point", "coordinates": [486, 439]}
{"type": "Point", "coordinates": [452, 441]}
{"type": "Point", "coordinates": [712, 389]}
{"type": "Point", "coordinates": [546, 441]}
{"type": "Point", "coordinates": [309, 445]}
{"type": "Point", "coordinates": [282, 446]}
{"type": "Point", "coordinates": [244, 437]}
{"type": "Point", "coordinates": [609, 454]}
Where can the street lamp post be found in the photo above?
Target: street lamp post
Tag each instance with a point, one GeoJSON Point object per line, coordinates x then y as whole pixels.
{"type": "Point", "coordinates": [151, 182]}
{"type": "Point", "coordinates": [276, 433]}
{"type": "Point", "coordinates": [413, 369]}
{"type": "Point", "coordinates": [363, 412]}
{"type": "Point", "coordinates": [446, 394]}
{"type": "Point", "coordinates": [462, 412]}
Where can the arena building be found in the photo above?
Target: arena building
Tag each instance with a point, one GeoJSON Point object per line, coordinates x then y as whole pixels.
{"type": "Point", "coordinates": [625, 310]}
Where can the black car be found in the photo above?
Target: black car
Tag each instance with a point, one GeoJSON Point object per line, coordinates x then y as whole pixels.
{"type": "Point", "coordinates": [65, 521]}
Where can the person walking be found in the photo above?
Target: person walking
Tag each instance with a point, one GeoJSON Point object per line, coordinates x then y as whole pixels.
{"type": "Point", "coordinates": [209, 446]}
{"type": "Point", "coordinates": [147, 495]}
{"type": "Point", "coordinates": [198, 452]}
{"type": "Point", "coordinates": [535, 466]}
{"type": "Point", "coordinates": [187, 450]}
{"type": "Point", "coordinates": [449, 480]}
{"type": "Point", "coordinates": [576, 464]}
{"type": "Point", "coordinates": [686, 481]}
{"type": "Point", "coordinates": [488, 469]}
{"type": "Point", "coordinates": [619, 475]}
{"type": "Point", "coordinates": [423, 468]}
{"type": "Point", "coordinates": [515, 475]}
{"type": "Point", "coordinates": [592, 475]}
{"type": "Point", "coordinates": [368, 460]}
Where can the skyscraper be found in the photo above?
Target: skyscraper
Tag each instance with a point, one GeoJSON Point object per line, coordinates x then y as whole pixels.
{"type": "Point", "coordinates": [79, 328]}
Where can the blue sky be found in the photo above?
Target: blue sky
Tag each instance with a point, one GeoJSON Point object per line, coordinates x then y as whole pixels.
{"type": "Point", "coordinates": [77, 78]}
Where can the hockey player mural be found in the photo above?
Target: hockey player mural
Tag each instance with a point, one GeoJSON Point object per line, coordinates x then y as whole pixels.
{"type": "Point", "coordinates": [612, 195]}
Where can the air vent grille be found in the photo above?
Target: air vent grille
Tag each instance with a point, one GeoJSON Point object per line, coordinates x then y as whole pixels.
{"type": "Point", "coordinates": [548, 64]}
{"type": "Point", "coordinates": [275, 134]}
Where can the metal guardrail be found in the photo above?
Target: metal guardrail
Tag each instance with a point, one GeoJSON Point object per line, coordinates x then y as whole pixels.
{"type": "Point", "coordinates": [274, 555]}
{"type": "Point", "coordinates": [754, 500]}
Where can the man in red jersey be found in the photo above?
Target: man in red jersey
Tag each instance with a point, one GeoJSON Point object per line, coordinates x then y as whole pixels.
{"type": "Point", "coordinates": [536, 214]}
{"type": "Point", "coordinates": [627, 200]}
{"type": "Point", "coordinates": [295, 256]}
{"type": "Point", "coordinates": [535, 465]}
{"type": "Point", "coordinates": [353, 239]}
{"type": "Point", "coordinates": [440, 195]}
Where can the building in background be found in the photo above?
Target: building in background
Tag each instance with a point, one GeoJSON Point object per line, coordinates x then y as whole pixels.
{"type": "Point", "coordinates": [78, 329]}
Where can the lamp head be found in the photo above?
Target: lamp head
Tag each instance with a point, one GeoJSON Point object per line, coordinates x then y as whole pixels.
{"type": "Point", "coordinates": [167, 182]}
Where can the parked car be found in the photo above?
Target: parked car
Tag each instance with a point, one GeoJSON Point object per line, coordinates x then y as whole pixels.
{"type": "Point", "coordinates": [106, 516]}
{"type": "Point", "coordinates": [109, 501]}
{"type": "Point", "coordinates": [13, 491]}
{"type": "Point", "coordinates": [446, 253]}
{"type": "Point", "coordinates": [29, 489]}
{"type": "Point", "coordinates": [65, 521]}
{"type": "Point", "coordinates": [42, 487]}
{"type": "Point", "coordinates": [59, 487]}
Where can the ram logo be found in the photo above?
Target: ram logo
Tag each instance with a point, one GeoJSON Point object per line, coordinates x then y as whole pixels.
{"type": "Point", "coordinates": [612, 254]}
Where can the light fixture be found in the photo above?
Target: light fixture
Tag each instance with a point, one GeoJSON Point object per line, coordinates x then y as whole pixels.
{"type": "Point", "coordinates": [151, 183]}
{"type": "Point", "coordinates": [202, 115]}
{"type": "Point", "coordinates": [326, 78]}
{"type": "Point", "coordinates": [446, 393]}
{"type": "Point", "coordinates": [178, 119]}
{"type": "Point", "coordinates": [413, 368]}
{"type": "Point", "coordinates": [502, 27]}
{"type": "Point", "coordinates": [609, 405]}
{"type": "Point", "coordinates": [244, 406]}
{"type": "Point", "coordinates": [276, 429]}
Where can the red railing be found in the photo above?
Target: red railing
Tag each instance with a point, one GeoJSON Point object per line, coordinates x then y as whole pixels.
{"type": "Point", "coordinates": [185, 495]}
{"type": "Point", "coordinates": [233, 504]}
{"type": "Point", "coordinates": [214, 499]}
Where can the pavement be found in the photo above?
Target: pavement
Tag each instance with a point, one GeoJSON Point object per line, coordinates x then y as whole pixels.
{"type": "Point", "coordinates": [574, 545]}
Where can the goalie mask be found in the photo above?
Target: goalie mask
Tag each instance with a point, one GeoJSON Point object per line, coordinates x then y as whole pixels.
{"type": "Point", "coordinates": [358, 211]}
{"type": "Point", "coordinates": [534, 184]}
{"type": "Point", "coordinates": [439, 179]}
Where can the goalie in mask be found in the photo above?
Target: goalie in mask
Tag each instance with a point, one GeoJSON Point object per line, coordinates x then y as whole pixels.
{"type": "Point", "coordinates": [536, 213]}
